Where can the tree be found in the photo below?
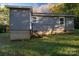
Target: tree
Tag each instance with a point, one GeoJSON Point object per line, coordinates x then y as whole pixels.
{"type": "Point", "coordinates": [57, 8]}
{"type": "Point", "coordinates": [4, 16]}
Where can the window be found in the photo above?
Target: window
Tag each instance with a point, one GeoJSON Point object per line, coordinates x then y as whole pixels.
{"type": "Point", "coordinates": [35, 19]}
{"type": "Point", "coordinates": [61, 20]}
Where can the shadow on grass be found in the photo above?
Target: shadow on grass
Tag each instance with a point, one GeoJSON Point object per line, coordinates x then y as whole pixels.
{"type": "Point", "coordinates": [39, 47]}
{"type": "Point", "coordinates": [36, 47]}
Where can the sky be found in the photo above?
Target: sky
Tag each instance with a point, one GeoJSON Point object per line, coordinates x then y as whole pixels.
{"type": "Point", "coordinates": [24, 4]}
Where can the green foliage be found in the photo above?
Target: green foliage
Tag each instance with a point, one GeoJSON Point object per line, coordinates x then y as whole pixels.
{"type": "Point", "coordinates": [71, 8]}
{"type": "Point", "coordinates": [1, 28]}
{"type": "Point", "coordinates": [58, 8]}
{"type": "Point", "coordinates": [67, 8]}
{"type": "Point", "coordinates": [4, 14]}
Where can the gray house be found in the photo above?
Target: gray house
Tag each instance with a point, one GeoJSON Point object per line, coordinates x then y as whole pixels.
{"type": "Point", "coordinates": [23, 22]}
{"type": "Point", "coordinates": [49, 23]}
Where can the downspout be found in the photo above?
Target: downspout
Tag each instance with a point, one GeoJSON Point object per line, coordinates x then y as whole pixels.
{"type": "Point", "coordinates": [30, 25]}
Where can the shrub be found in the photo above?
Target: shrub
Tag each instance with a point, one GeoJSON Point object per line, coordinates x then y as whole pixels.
{"type": "Point", "coordinates": [1, 28]}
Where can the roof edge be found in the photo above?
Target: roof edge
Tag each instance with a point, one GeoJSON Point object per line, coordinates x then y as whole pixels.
{"type": "Point", "coordinates": [11, 6]}
{"type": "Point", "coordinates": [52, 14]}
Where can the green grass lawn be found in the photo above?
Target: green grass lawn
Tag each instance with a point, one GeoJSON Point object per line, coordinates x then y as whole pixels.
{"type": "Point", "coordinates": [54, 45]}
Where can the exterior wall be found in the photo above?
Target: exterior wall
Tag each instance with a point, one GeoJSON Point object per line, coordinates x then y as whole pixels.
{"type": "Point", "coordinates": [19, 23]}
{"type": "Point", "coordinates": [19, 19]}
{"type": "Point", "coordinates": [51, 25]}
{"type": "Point", "coordinates": [58, 27]}
{"type": "Point", "coordinates": [69, 24]}
{"type": "Point", "coordinates": [45, 25]}
{"type": "Point", "coordinates": [44, 22]}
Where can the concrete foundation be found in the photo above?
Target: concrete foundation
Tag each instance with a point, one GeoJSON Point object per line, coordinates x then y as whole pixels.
{"type": "Point", "coordinates": [19, 35]}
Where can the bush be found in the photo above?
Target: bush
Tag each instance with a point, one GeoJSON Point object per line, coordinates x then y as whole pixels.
{"type": "Point", "coordinates": [76, 22]}
{"type": "Point", "coordinates": [1, 28]}
{"type": "Point", "coordinates": [7, 28]}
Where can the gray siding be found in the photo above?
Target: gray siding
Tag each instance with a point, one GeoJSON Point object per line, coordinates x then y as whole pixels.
{"type": "Point", "coordinates": [69, 24]}
{"type": "Point", "coordinates": [53, 23]}
{"type": "Point", "coordinates": [19, 19]}
{"type": "Point", "coordinates": [19, 24]}
{"type": "Point", "coordinates": [44, 24]}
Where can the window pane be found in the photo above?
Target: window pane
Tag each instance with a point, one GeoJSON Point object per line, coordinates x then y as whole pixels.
{"type": "Point", "coordinates": [61, 20]}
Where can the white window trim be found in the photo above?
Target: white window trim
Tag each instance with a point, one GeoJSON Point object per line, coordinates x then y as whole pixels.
{"type": "Point", "coordinates": [64, 21]}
